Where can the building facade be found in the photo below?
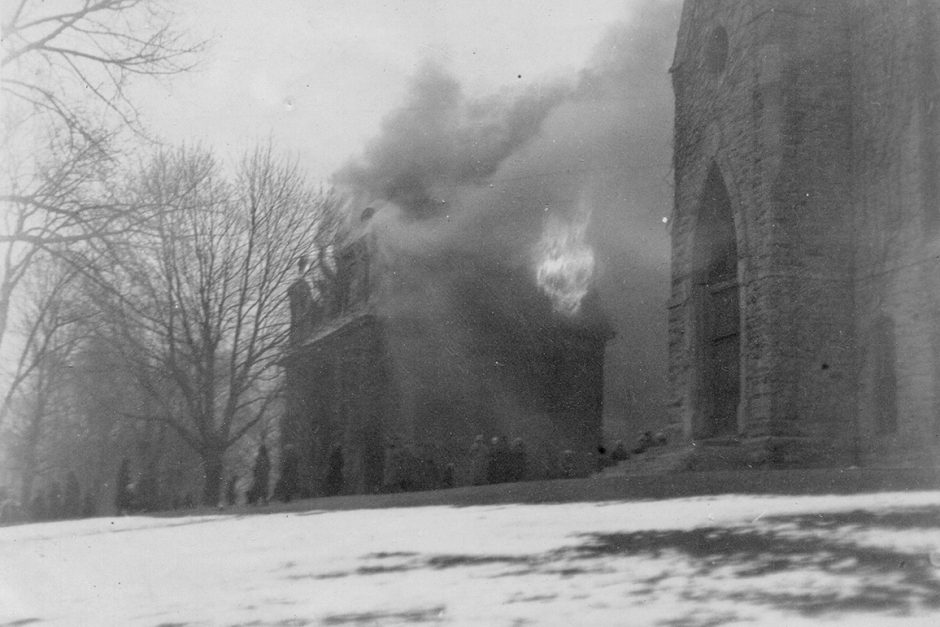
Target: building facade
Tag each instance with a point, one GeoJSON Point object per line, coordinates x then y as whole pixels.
{"type": "Point", "coordinates": [804, 318]}
{"type": "Point", "coordinates": [426, 354]}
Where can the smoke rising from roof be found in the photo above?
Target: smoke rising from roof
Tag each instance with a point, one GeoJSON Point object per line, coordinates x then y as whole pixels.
{"type": "Point", "coordinates": [466, 188]}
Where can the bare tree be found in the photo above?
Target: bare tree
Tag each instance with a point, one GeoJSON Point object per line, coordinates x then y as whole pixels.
{"type": "Point", "coordinates": [66, 67]}
{"type": "Point", "coordinates": [53, 51]}
{"type": "Point", "coordinates": [202, 317]}
{"type": "Point", "coordinates": [45, 319]}
{"type": "Point", "coordinates": [52, 332]}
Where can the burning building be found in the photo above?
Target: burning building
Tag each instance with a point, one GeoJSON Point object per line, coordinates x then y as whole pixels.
{"type": "Point", "coordinates": [425, 351]}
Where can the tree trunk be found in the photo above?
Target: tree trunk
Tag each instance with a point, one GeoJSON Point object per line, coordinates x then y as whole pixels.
{"type": "Point", "coordinates": [212, 469]}
{"type": "Point", "coordinates": [30, 455]}
{"type": "Point", "coordinates": [6, 291]}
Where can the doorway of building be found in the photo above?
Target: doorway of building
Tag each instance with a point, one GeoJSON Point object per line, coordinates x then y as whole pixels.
{"type": "Point", "coordinates": [719, 318]}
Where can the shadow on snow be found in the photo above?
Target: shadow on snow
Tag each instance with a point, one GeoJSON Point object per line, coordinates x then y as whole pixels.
{"type": "Point", "coordinates": [867, 578]}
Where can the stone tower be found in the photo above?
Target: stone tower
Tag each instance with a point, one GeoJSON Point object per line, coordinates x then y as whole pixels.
{"type": "Point", "coordinates": [804, 314]}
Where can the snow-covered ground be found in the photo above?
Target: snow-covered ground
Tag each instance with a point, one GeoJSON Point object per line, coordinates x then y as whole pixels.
{"type": "Point", "coordinates": [861, 559]}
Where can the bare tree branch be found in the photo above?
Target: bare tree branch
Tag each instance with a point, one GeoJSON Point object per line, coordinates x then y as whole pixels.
{"type": "Point", "coordinates": [53, 56]}
{"type": "Point", "coordinates": [209, 285]}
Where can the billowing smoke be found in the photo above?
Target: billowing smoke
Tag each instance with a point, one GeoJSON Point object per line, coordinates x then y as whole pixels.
{"type": "Point", "coordinates": [560, 188]}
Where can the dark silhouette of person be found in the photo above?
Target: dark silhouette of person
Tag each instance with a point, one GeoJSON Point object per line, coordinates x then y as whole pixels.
{"type": "Point", "coordinates": [479, 461]}
{"type": "Point", "coordinates": [288, 483]}
{"type": "Point", "coordinates": [644, 442]}
{"type": "Point", "coordinates": [428, 472]}
{"type": "Point", "coordinates": [517, 460]}
{"type": "Point", "coordinates": [334, 476]}
{"type": "Point", "coordinates": [567, 463]}
{"type": "Point", "coordinates": [619, 453]}
{"type": "Point", "coordinates": [497, 472]}
{"type": "Point", "coordinates": [261, 473]}
{"type": "Point", "coordinates": [448, 476]}
{"type": "Point", "coordinates": [231, 496]}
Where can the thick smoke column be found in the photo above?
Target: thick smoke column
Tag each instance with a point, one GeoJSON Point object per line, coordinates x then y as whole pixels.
{"type": "Point", "coordinates": [565, 184]}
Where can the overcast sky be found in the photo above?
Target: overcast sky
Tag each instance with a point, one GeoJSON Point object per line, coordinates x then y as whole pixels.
{"type": "Point", "coordinates": [318, 77]}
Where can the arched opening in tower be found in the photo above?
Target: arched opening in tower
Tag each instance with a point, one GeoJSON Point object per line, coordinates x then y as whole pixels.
{"type": "Point", "coordinates": [718, 313]}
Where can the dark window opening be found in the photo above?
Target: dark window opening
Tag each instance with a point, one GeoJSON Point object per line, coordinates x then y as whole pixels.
{"type": "Point", "coordinates": [718, 316]}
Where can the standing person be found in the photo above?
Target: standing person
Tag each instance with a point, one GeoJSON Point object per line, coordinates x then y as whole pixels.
{"type": "Point", "coordinates": [334, 476]}
{"type": "Point", "coordinates": [448, 476]}
{"type": "Point", "coordinates": [620, 452]}
{"type": "Point", "coordinates": [499, 460]}
{"type": "Point", "coordinates": [391, 478]}
{"type": "Point", "coordinates": [123, 500]}
{"type": "Point", "coordinates": [644, 442]}
{"type": "Point", "coordinates": [231, 496]}
{"type": "Point", "coordinates": [409, 469]}
{"type": "Point", "coordinates": [517, 460]}
{"type": "Point", "coordinates": [601, 459]}
{"type": "Point", "coordinates": [567, 463]}
{"type": "Point", "coordinates": [258, 493]}
{"type": "Point", "coordinates": [429, 476]}
{"type": "Point", "coordinates": [479, 461]}
{"type": "Point", "coordinates": [288, 484]}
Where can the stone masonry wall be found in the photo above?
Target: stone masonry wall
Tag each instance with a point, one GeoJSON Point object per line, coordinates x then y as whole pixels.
{"type": "Point", "coordinates": [776, 123]}
{"type": "Point", "coordinates": [896, 57]}
{"type": "Point", "coordinates": [825, 124]}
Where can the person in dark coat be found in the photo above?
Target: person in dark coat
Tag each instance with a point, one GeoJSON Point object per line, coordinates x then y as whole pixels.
{"type": "Point", "coordinates": [429, 476]}
{"type": "Point", "coordinates": [260, 477]}
{"type": "Point", "coordinates": [391, 477]}
{"type": "Point", "coordinates": [619, 453]}
{"type": "Point", "coordinates": [645, 442]}
{"type": "Point", "coordinates": [407, 469]}
{"type": "Point", "coordinates": [499, 460]}
{"type": "Point", "coordinates": [479, 461]}
{"type": "Point", "coordinates": [124, 497]}
{"type": "Point", "coordinates": [334, 476]}
{"type": "Point", "coordinates": [448, 476]}
{"type": "Point", "coordinates": [602, 458]}
{"type": "Point", "coordinates": [231, 496]}
{"type": "Point", "coordinates": [288, 484]}
{"type": "Point", "coordinates": [567, 464]}
{"type": "Point", "coordinates": [517, 460]}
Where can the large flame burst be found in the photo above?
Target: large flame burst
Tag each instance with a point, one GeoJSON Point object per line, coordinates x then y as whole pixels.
{"type": "Point", "coordinates": [564, 262]}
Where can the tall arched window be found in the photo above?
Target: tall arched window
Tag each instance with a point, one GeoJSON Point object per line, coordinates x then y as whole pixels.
{"type": "Point", "coordinates": [718, 312]}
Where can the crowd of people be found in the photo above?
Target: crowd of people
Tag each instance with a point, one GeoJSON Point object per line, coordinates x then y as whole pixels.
{"type": "Point", "coordinates": [56, 501]}
{"type": "Point", "coordinates": [405, 468]}
{"type": "Point", "coordinates": [619, 453]}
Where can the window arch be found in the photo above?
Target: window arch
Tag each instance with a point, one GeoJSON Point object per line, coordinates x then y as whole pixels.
{"type": "Point", "coordinates": [718, 314]}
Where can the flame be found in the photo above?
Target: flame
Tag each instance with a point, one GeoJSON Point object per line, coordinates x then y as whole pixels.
{"type": "Point", "coordinates": [564, 262]}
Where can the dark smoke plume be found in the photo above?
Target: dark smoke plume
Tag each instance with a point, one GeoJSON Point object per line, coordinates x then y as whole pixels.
{"type": "Point", "coordinates": [468, 189]}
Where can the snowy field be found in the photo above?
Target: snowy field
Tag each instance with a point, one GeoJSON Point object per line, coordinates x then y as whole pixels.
{"type": "Point", "coordinates": [860, 559]}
